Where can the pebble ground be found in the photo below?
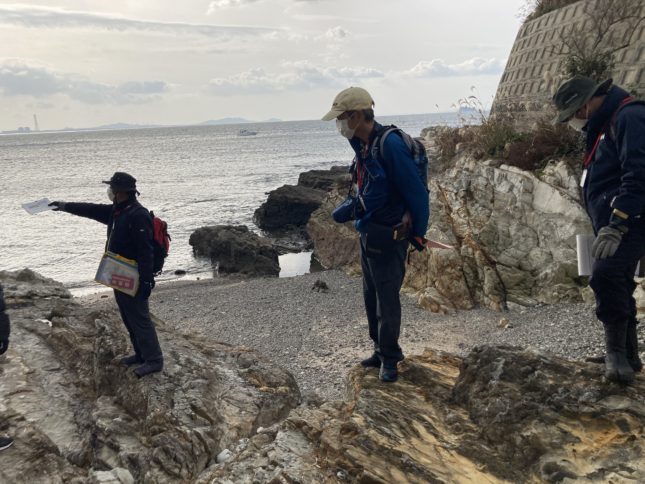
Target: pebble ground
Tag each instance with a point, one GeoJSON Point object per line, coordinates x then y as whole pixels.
{"type": "Point", "coordinates": [318, 336]}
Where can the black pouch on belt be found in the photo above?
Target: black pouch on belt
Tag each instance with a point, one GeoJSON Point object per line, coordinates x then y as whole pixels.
{"type": "Point", "coordinates": [379, 240]}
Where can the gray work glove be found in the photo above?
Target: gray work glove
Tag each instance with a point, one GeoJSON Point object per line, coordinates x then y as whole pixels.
{"type": "Point", "coordinates": [58, 206]}
{"type": "Point", "coordinates": [607, 241]}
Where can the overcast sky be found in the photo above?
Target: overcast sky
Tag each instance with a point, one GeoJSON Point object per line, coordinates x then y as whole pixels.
{"type": "Point", "coordinates": [84, 63]}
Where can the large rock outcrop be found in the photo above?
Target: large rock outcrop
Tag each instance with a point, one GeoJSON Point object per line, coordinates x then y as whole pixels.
{"type": "Point", "coordinates": [222, 415]}
{"type": "Point", "coordinates": [500, 415]}
{"type": "Point", "coordinates": [513, 233]}
{"type": "Point", "coordinates": [235, 249]}
{"type": "Point", "coordinates": [325, 180]}
{"type": "Point", "coordinates": [290, 206]}
{"type": "Point", "coordinates": [78, 416]}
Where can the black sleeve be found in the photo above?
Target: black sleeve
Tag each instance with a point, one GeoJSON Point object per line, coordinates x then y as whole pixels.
{"type": "Point", "coordinates": [142, 236]}
{"type": "Point", "coordinates": [5, 327]}
{"type": "Point", "coordinates": [96, 211]}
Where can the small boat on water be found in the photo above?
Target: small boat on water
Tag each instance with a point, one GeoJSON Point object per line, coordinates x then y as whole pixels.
{"type": "Point", "coordinates": [246, 132]}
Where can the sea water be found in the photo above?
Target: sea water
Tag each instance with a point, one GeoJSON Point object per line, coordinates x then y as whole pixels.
{"type": "Point", "coordinates": [189, 176]}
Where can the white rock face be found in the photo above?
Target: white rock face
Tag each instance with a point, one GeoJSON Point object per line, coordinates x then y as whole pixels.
{"type": "Point", "coordinates": [224, 456]}
{"type": "Point", "coordinates": [513, 233]}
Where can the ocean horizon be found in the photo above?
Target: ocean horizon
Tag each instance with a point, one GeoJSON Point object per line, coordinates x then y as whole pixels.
{"type": "Point", "coordinates": [191, 176]}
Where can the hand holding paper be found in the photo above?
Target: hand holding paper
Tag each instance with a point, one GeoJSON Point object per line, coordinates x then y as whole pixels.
{"type": "Point", "coordinates": [38, 206]}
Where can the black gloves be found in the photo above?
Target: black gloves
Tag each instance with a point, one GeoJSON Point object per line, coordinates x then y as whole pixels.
{"type": "Point", "coordinates": [58, 206]}
{"type": "Point", "coordinates": [4, 346]}
{"type": "Point", "coordinates": [418, 243]}
{"type": "Point", "coordinates": [145, 289]}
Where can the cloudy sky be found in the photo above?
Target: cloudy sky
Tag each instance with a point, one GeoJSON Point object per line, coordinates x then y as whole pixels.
{"type": "Point", "coordinates": [85, 63]}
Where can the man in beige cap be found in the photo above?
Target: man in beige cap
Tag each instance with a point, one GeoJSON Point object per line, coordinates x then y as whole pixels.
{"type": "Point", "coordinates": [391, 210]}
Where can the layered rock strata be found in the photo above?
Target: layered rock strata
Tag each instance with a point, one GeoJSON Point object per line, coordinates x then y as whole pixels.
{"type": "Point", "coordinates": [78, 416]}
{"type": "Point", "coordinates": [500, 415]}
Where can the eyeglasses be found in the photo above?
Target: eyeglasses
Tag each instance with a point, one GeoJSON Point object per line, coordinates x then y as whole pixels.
{"type": "Point", "coordinates": [345, 115]}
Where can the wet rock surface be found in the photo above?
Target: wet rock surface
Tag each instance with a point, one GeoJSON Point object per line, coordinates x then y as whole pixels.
{"type": "Point", "coordinates": [78, 416]}
{"type": "Point", "coordinates": [235, 249]}
{"type": "Point", "coordinates": [500, 415]}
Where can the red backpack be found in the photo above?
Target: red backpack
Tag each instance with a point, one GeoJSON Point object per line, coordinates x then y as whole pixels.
{"type": "Point", "coordinates": [161, 243]}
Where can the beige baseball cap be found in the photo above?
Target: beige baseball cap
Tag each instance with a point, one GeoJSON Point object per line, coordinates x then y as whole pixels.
{"type": "Point", "coordinates": [350, 99]}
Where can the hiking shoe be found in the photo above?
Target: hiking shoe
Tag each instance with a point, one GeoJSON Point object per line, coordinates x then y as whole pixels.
{"type": "Point", "coordinates": [636, 364]}
{"type": "Point", "coordinates": [131, 360]}
{"type": "Point", "coordinates": [149, 367]}
{"type": "Point", "coordinates": [5, 442]}
{"type": "Point", "coordinates": [372, 362]}
{"type": "Point", "coordinates": [388, 375]}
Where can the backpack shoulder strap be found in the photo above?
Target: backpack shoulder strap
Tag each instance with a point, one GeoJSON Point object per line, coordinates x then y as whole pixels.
{"type": "Point", "coordinates": [382, 137]}
{"type": "Point", "coordinates": [626, 102]}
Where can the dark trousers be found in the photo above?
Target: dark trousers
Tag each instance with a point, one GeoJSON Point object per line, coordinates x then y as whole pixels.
{"type": "Point", "coordinates": [612, 279]}
{"type": "Point", "coordinates": [136, 317]}
{"type": "Point", "coordinates": [382, 279]}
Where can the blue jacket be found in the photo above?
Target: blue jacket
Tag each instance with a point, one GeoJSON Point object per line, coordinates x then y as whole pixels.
{"type": "Point", "coordinates": [391, 185]}
{"type": "Point", "coordinates": [129, 230]}
{"type": "Point", "coordinates": [616, 174]}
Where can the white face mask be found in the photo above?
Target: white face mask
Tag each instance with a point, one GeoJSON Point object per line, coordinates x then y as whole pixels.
{"type": "Point", "coordinates": [577, 123]}
{"type": "Point", "coordinates": [343, 128]}
{"type": "Point", "coordinates": [110, 194]}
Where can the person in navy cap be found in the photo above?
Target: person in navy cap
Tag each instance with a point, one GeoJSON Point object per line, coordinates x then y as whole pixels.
{"type": "Point", "coordinates": [130, 235]}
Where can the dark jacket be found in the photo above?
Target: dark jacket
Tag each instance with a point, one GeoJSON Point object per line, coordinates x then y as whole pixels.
{"type": "Point", "coordinates": [616, 175]}
{"type": "Point", "coordinates": [129, 230]}
{"type": "Point", "coordinates": [391, 186]}
{"type": "Point", "coordinates": [5, 326]}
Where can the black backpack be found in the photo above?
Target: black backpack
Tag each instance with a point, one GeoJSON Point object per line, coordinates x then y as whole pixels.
{"type": "Point", "coordinates": [416, 147]}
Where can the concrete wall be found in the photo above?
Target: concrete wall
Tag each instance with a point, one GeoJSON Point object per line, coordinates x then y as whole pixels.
{"type": "Point", "coordinates": [533, 72]}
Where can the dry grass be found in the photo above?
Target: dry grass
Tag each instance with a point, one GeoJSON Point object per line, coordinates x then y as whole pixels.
{"type": "Point", "coordinates": [533, 150]}
{"type": "Point", "coordinates": [537, 8]}
{"type": "Point", "coordinates": [497, 138]}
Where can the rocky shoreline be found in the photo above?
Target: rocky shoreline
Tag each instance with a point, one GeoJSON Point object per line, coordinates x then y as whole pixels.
{"type": "Point", "coordinates": [221, 413]}
{"type": "Point", "coordinates": [234, 249]}
{"type": "Point", "coordinates": [261, 383]}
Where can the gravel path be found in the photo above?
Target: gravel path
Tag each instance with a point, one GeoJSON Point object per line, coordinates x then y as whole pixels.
{"type": "Point", "coordinates": [318, 336]}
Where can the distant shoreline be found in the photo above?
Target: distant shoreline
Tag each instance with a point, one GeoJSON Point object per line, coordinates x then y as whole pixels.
{"type": "Point", "coordinates": [217, 122]}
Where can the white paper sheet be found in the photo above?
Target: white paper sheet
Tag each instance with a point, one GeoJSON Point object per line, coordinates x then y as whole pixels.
{"type": "Point", "coordinates": [37, 206]}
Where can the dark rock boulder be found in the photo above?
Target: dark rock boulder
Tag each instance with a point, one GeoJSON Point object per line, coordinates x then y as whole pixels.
{"type": "Point", "coordinates": [235, 249]}
{"type": "Point", "coordinates": [324, 179]}
{"type": "Point", "coordinates": [289, 205]}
